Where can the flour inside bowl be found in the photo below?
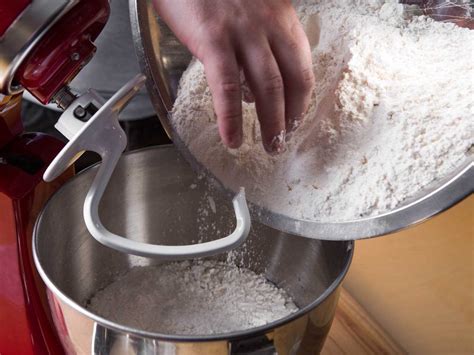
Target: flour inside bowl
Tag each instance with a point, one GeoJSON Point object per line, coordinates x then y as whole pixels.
{"type": "Point", "coordinates": [392, 111]}
{"type": "Point", "coordinates": [192, 298]}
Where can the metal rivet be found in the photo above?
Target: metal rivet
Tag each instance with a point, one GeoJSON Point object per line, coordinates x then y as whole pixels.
{"type": "Point", "coordinates": [75, 56]}
{"type": "Point", "coordinates": [79, 112]}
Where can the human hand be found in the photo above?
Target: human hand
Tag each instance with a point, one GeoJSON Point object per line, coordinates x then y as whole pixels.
{"type": "Point", "coordinates": [265, 39]}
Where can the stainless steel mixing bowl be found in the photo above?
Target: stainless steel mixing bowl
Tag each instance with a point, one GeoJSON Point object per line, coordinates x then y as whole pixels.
{"type": "Point", "coordinates": [154, 196]}
{"type": "Point", "coordinates": [163, 60]}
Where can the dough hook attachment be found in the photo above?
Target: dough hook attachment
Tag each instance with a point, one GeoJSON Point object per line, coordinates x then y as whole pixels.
{"type": "Point", "coordinates": [91, 123]}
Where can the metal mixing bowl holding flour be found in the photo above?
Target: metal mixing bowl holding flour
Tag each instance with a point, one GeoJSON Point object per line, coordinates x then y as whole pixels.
{"type": "Point", "coordinates": [154, 196]}
{"type": "Point", "coordinates": [163, 59]}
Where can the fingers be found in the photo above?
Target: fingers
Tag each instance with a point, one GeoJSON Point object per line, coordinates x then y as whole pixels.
{"type": "Point", "coordinates": [278, 70]}
{"type": "Point", "coordinates": [266, 83]}
{"type": "Point", "coordinates": [293, 54]}
{"type": "Point", "coordinates": [223, 77]}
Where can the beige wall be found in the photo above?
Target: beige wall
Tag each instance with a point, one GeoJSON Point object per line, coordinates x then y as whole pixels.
{"type": "Point", "coordinates": [418, 284]}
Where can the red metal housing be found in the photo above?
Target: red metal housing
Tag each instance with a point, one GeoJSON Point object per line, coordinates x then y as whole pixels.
{"type": "Point", "coordinates": [64, 50]}
{"type": "Point", "coordinates": [9, 11]}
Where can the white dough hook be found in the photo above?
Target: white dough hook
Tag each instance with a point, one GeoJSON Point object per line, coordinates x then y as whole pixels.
{"type": "Point", "coordinates": [102, 134]}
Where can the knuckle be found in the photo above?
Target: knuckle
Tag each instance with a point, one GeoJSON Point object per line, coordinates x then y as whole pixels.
{"type": "Point", "coordinates": [265, 58]}
{"type": "Point", "coordinates": [205, 50]}
{"type": "Point", "coordinates": [249, 24]}
{"type": "Point", "coordinates": [210, 36]}
{"type": "Point", "coordinates": [275, 18]}
{"type": "Point", "coordinates": [306, 83]}
{"type": "Point", "coordinates": [294, 46]}
{"type": "Point", "coordinates": [230, 116]}
{"type": "Point", "coordinates": [229, 87]}
{"type": "Point", "coordinates": [214, 38]}
{"type": "Point", "coordinates": [216, 43]}
{"type": "Point", "coordinates": [215, 27]}
{"type": "Point", "coordinates": [273, 84]}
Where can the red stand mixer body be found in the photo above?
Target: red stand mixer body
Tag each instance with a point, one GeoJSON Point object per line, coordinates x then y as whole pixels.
{"type": "Point", "coordinates": [43, 45]}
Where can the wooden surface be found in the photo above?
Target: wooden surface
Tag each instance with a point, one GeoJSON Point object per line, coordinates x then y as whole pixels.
{"type": "Point", "coordinates": [355, 332]}
{"type": "Point", "coordinates": [419, 284]}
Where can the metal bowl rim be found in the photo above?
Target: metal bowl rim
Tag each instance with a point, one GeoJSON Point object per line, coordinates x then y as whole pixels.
{"type": "Point", "coordinates": [176, 338]}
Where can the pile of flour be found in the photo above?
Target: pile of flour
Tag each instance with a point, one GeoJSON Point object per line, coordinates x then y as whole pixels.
{"type": "Point", "coordinates": [392, 111]}
{"type": "Point", "coordinates": [192, 298]}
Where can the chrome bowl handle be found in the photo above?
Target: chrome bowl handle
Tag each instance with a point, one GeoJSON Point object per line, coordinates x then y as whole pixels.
{"type": "Point", "coordinates": [102, 134]}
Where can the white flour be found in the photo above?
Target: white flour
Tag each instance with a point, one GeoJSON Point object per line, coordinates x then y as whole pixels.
{"type": "Point", "coordinates": [392, 111]}
{"type": "Point", "coordinates": [192, 298]}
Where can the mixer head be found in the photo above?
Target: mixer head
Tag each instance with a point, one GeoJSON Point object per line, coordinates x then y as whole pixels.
{"type": "Point", "coordinates": [45, 43]}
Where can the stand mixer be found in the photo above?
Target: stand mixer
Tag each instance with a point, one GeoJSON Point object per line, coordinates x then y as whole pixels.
{"type": "Point", "coordinates": [43, 45]}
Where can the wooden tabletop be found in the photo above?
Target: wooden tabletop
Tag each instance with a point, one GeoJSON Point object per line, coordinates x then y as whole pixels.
{"type": "Point", "coordinates": [418, 284]}
{"type": "Point", "coordinates": [354, 331]}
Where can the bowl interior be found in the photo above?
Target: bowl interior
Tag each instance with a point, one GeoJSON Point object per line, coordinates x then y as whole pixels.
{"type": "Point", "coordinates": [154, 196]}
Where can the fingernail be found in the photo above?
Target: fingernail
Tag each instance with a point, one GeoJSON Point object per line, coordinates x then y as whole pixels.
{"type": "Point", "coordinates": [236, 140]}
{"type": "Point", "coordinates": [277, 144]}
